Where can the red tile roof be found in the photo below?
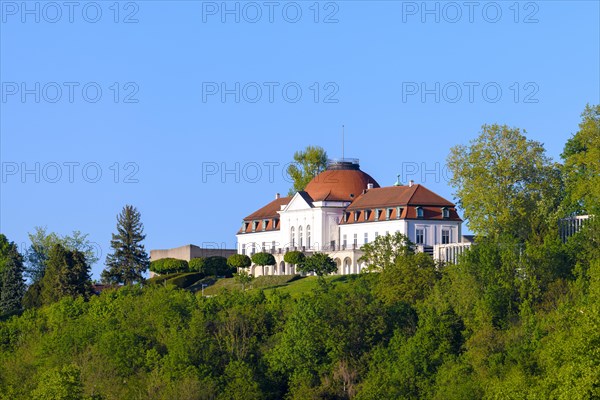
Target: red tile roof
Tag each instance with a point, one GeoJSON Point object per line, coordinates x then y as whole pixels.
{"type": "Point", "coordinates": [408, 198]}
{"type": "Point", "coordinates": [339, 185]}
{"type": "Point", "coordinates": [391, 196]}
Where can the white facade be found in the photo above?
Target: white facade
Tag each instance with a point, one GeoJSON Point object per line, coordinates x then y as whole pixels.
{"type": "Point", "coordinates": [324, 225]}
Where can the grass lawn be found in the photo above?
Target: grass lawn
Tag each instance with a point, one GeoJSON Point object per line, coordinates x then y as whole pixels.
{"type": "Point", "coordinates": [294, 285]}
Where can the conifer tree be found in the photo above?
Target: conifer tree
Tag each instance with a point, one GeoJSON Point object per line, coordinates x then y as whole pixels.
{"type": "Point", "coordinates": [67, 274]}
{"type": "Point", "coordinates": [129, 260]}
{"type": "Point", "coordinates": [12, 285]}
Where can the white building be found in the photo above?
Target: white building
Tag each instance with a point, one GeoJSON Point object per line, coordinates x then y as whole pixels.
{"type": "Point", "coordinates": [341, 209]}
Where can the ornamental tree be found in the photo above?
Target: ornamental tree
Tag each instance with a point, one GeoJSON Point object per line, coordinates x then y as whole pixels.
{"type": "Point", "coordinates": [294, 257]}
{"type": "Point", "coordinates": [169, 266]}
{"type": "Point", "coordinates": [239, 261]}
{"type": "Point", "coordinates": [263, 259]}
{"type": "Point", "coordinates": [319, 263]}
{"type": "Point", "coordinates": [197, 264]}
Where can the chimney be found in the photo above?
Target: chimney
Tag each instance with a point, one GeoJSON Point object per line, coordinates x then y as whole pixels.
{"type": "Point", "coordinates": [411, 183]}
{"type": "Point", "coordinates": [277, 195]}
{"type": "Point", "coordinates": [369, 186]}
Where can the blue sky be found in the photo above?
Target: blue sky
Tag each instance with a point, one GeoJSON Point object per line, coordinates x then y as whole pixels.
{"type": "Point", "coordinates": [190, 110]}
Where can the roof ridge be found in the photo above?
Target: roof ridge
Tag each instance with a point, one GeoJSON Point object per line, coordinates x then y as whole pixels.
{"type": "Point", "coordinates": [413, 193]}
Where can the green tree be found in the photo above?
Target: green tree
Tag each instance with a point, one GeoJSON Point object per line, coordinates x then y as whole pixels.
{"type": "Point", "coordinates": [263, 259]}
{"type": "Point", "coordinates": [307, 164]}
{"type": "Point", "coordinates": [217, 265]}
{"type": "Point", "coordinates": [319, 263]}
{"type": "Point", "coordinates": [67, 274]}
{"type": "Point", "coordinates": [243, 278]}
{"type": "Point", "coordinates": [383, 252]}
{"type": "Point", "coordinates": [169, 266]}
{"type": "Point", "coordinates": [294, 257]}
{"type": "Point", "coordinates": [581, 169]}
{"type": "Point", "coordinates": [410, 279]}
{"type": "Point", "coordinates": [239, 261]}
{"type": "Point", "coordinates": [197, 264]}
{"type": "Point", "coordinates": [129, 260]}
{"type": "Point", "coordinates": [60, 384]}
{"type": "Point", "coordinates": [240, 383]}
{"type": "Point", "coordinates": [41, 243]}
{"type": "Point", "coordinates": [12, 286]}
{"type": "Point", "coordinates": [504, 182]}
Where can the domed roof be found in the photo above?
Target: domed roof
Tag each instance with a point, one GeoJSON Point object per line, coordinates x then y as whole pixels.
{"type": "Point", "coordinates": [342, 181]}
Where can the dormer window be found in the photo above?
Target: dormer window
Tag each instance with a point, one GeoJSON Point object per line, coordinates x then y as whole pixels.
{"type": "Point", "coordinates": [254, 226]}
{"type": "Point", "coordinates": [388, 213]}
{"type": "Point", "coordinates": [445, 213]}
{"type": "Point", "coordinates": [419, 212]}
{"type": "Point", "coordinates": [264, 224]}
{"type": "Point", "coordinates": [244, 226]}
{"type": "Point", "coordinates": [398, 212]}
{"type": "Point", "coordinates": [274, 225]}
{"type": "Point", "coordinates": [377, 214]}
{"type": "Point", "coordinates": [356, 214]}
{"type": "Point", "coordinates": [367, 214]}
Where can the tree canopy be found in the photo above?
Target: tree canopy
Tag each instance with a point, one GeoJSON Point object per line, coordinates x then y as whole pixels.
{"type": "Point", "coordinates": [582, 164]}
{"type": "Point", "coordinates": [129, 261]}
{"type": "Point", "coordinates": [307, 164]}
{"type": "Point", "coordinates": [504, 182]}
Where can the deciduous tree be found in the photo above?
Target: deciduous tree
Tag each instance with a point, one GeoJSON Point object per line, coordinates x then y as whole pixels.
{"type": "Point", "coordinates": [581, 168]}
{"type": "Point", "coordinates": [504, 182]}
{"type": "Point", "coordinates": [308, 163]}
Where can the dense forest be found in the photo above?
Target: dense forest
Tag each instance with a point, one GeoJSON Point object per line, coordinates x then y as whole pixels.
{"type": "Point", "coordinates": [517, 317]}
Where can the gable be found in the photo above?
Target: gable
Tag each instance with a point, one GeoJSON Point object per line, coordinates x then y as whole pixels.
{"type": "Point", "coordinates": [300, 201]}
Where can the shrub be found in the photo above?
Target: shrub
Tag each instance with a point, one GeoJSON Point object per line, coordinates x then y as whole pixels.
{"type": "Point", "coordinates": [197, 264]}
{"type": "Point", "coordinates": [239, 261]}
{"type": "Point", "coordinates": [169, 266]}
{"type": "Point", "coordinates": [185, 280]}
{"type": "Point", "coordinates": [294, 257]}
{"type": "Point", "coordinates": [217, 265]}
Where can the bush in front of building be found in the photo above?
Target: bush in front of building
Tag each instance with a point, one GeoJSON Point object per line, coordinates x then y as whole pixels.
{"type": "Point", "coordinates": [168, 266]}
{"type": "Point", "coordinates": [197, 264]}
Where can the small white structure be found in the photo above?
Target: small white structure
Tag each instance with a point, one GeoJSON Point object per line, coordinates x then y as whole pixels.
{"type": "Point", "coordinates": [343, 208]}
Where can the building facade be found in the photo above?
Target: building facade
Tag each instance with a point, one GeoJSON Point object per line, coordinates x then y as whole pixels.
{"type": "Point", "coordinates": [342, 209]}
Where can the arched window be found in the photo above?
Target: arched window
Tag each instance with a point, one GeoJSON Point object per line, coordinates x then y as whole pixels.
{"type": "Point", "coordinates": [300, 236]}
{"type": "Point", "coordinates": [292, 237]}
{"type": "Point", "coordinates": [308, 237]}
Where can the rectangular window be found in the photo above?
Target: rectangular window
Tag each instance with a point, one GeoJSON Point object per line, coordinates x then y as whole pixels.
{"type": "Point", "coordinates": [252, 249]}
{"type": "Point", "coordinates": [376, 235]}
{"type": "Point", "coordinates": [264, 246]}
{"type": "Point", "coordinates": [420, 236]}
{"type": "Point", "coordinates": [243, 249]}
{"type": "Point", "coordinates": [445, 236]}
{"type": "Point", "coordinates": [366, 237]}
{"type": "Point", "coordinates": [355, 239]}
{"type": "Point", "coordinates": [344, 242]}
{"type": "Point", "coordinates": [273, 245]}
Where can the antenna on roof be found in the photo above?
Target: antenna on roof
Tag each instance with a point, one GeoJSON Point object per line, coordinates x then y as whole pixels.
{"type": "Point", "coordinates": [342, 142]}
